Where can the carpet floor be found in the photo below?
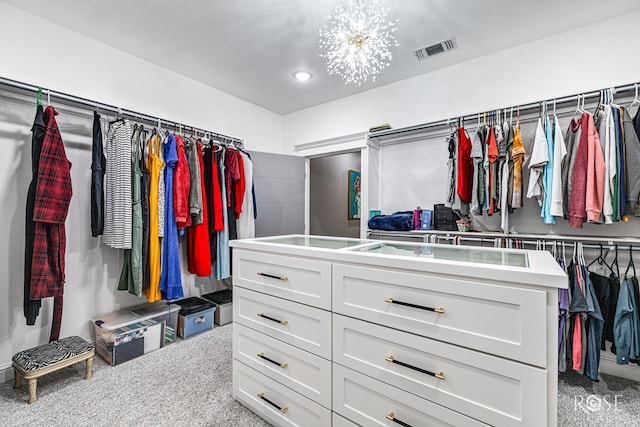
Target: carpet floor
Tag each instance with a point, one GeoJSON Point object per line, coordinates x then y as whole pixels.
{"type": "Point", "coordinates": [189, 383]}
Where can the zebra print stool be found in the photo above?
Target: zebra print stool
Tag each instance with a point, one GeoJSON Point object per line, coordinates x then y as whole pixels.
{"type": "Point", "coordinates": [38, 361]}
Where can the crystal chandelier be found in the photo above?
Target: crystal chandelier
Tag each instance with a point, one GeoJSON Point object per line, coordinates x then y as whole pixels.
{"type": "Point", "coordinates": [357, 41]}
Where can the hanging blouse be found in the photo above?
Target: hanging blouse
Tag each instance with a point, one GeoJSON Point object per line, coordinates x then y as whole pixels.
{"type": "Point", "coordinates": [465, 167]}
{"type": "Point", "coordinates": [547, 177]}
{"type": "Point", "coordinates": [170, 277]}
{"type": "Point", "coordinates": [181, 186]}
{"type": "Point", "coordinates": [118, 215]}
{"type": "Point", "coordinates": [539, 158]}
{"type": "Point", "coordinates": [492, 154]}
{"type": "Point", "coordinates": [595, 173]}
{"type": "Point", "coordinates": [154, 164]}
{"type": "Point", "coordinates": [198, 250]}
{"type": "Point", "coordinates": [559, 151]}
{"type": "Point", "coordinates": [246, 222]}
{"type": "Point", "coordinates": [517, 155]}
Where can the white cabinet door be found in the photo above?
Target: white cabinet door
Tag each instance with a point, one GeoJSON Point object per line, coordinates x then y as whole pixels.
{"type": "Point", "coordinates": [501, 320]}
{"type": "Point", "coordinates": [274, 402]}
{"type": "Point", "coordinates": [297, 279]}
{"type": "Point", "coordinates": [306, 373]}
{"type": "Point", "coordinates": [493, 390]}
{"type": "Point", "coordinates": [369, 402]}
{"type": "Point", "coordinates": [339, 421]}
{"type": "Point", "coordinates": [299, 325]}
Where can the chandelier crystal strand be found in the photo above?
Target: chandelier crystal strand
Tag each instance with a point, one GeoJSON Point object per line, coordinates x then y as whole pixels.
{"type": "Point", "coordinates": [357, 41]}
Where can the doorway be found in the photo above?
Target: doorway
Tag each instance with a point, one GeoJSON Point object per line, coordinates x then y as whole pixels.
{"type": "Point", "coordinates": [329, 192]}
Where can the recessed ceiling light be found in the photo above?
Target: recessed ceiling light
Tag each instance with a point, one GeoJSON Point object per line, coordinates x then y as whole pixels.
{"type": "Point", "coordinates": [302, 75]}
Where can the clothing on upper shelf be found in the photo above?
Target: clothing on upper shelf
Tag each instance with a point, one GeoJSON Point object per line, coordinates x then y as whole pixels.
{"type": "Point", "coordinates": [559, 151]}
{"type": "Point", "coordinates": [539, 158]}
{"type": "Point", "coordinates": [517, 155]}
{"type": "Point", "coordinates": [547, 177]}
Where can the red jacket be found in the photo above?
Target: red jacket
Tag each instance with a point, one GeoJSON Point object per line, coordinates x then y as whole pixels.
{"type": "Point", "coordinates": [53, 196]}
{"type": "Point", "coordinates": [181, 187]}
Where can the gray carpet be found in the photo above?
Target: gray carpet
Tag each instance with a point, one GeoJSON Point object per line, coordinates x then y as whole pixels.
{"type": "Point", "coordinates": [188, 383]}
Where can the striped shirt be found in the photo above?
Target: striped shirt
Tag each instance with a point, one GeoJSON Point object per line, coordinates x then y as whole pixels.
{"type": "Point", "coordinates": [117, 184]}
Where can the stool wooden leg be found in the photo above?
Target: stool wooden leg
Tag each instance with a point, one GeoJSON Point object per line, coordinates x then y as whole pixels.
{"type": "Point", "coordinates": [89, 366]}
{"type": "Point", "coordinates": [17, 379]}
{"type": "Point", "coordinates": [33, 383]}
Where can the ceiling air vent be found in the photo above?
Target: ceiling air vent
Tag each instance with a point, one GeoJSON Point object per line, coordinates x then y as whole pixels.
{"type": "Point", "coordinates": [441, 47]}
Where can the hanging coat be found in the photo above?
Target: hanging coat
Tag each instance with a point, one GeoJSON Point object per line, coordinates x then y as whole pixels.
{"type": "Point", "coordinates": [170, 277]}
{"type": "Point", "coordinates": [52, 199]}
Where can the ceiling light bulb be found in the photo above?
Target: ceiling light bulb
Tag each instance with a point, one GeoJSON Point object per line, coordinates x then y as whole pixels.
{"type": "Point", "coordinates": [302, 75]}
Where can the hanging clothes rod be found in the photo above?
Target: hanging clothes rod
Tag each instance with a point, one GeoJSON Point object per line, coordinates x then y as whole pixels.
{"type": "Point", "coordinates": [124, 112]}
{"type": "Point", "coordinates": [604, 240]}
{"type": "Point", "coordinates": [525, 107]}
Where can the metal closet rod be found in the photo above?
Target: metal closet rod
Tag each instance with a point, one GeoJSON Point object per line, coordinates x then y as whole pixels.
{"type": "Point", "coordinates": [530, 106]}
{"type": "Point", "coordinates": [604, 240]}
{"type": "Point", "coordinates": [98, 105]}
{"type": "Point", "coordinates": [533, 240]}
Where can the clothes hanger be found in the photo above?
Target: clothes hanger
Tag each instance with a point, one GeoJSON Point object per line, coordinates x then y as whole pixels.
{"type": "Point", "coordinates": [600, 259]}
{"type": "Point", "coordinates": [615, 263]}
{"type": "Point", "coordinates": [39, 97]}
{"type": "Point", "coordinates": [635, 99]}
{"type": "Point", "coordinates": [631, 263]}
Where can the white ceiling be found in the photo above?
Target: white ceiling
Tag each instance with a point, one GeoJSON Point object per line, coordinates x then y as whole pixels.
{"type": "Point", "coordinates": [250, 48]}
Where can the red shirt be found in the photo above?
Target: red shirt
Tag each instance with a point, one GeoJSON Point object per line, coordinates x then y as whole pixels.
{"type": "Point", "coordinates": [465, 167]}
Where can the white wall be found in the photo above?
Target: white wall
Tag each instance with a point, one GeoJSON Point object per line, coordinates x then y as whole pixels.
{"type": "Point", "coordinates": [595, 56]}
{"type": "Point", "coordinates": [39, 52]}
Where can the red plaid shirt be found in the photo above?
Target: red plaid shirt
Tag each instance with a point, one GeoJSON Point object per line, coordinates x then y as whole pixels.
{"type": "Point", "coordinates": [53, 195]}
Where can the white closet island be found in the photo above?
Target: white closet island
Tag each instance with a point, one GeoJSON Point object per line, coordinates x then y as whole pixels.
{"type": "Point", "coordinates": [346, 332]}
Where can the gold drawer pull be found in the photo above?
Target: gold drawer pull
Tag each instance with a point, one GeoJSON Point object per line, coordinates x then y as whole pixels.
{"type": "Point", "coordinates": [439, 375]}
{"type": "Point", "coordinates": [282, 365]}
{"type": "Point", "coordinates": [282, 322]}
{"type": "Point", "coordinates": [391, 416]}
{"type": "Point", "coordinates": [273, 276]}
{"type": "Point", "coordinates": [279, 408]}
{"type": "Point", "coordinates": [408, 304]}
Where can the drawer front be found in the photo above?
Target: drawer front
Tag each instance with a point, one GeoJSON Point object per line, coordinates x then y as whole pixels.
{"type": "Point", "coordinates": [487, 388]}
{"type": "Point", "coordinates": [299, 325]}
{"type": "Point", "coordinates": [302, 280]}
{"type": "Point", "coordinates": [274, 402]}
{"type": "Point", "coordinates": [501, 320]}
{"type": "Point", "coordinates": [306, 373]}
{"type": "Point", "coordinates": [369, 402]}
{"type": "Point", "coordinates": [195, 323]}
{"type": "Point", "coordinates": [339, 421]}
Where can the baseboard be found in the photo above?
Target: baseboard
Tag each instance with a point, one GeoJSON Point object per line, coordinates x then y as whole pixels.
{"type": "Point", "coordinates": [609, 366]}
{"type": "Point", "coordinates": [6, 372]}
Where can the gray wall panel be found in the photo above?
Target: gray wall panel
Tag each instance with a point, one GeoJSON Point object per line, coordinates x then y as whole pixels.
{"type": "Point", "coordinates": [279, 185]}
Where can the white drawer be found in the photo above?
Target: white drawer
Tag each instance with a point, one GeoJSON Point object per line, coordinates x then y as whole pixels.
{"type": "Point", "coordinates": [339, 421]}
{"type": "Point", "coordinates": [297, 369]}
{"type": "Point", "coordinates": [368, 402]}
{"type": "Point", "coordinates": [493, 390]}
{"type": "Point", "coordinates": [506, 321]}
{"type": "Point", "coordinates": [300, 325]}
{"type": "Point", "coordinates": [302, 280]}
{"type": "Point", "coordinates": [274, 402]}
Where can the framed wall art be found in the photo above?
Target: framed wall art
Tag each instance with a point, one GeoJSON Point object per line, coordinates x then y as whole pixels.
{"type": "Point", "coordinates": [353, 190]}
